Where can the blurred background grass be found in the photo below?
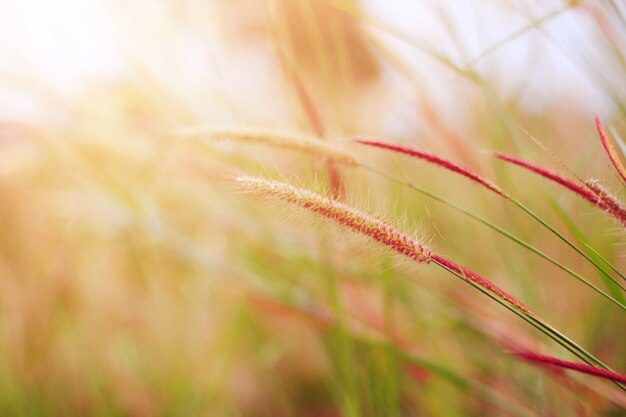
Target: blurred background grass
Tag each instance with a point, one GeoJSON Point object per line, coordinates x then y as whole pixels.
{"type": "Point", "coordinates": [134, 281]}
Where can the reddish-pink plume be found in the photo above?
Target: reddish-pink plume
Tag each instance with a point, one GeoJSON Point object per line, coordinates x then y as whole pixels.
{"type": "Point", "coordinates": [593, 192]}
{"type": "Point", "coordinates": [582, 191]}
{"type": "Point", "coordinates": [610, 150]}
{"type": "Point", "coordinates": [482, 282]}
{"type": "Point", "coordinates": [607, 201]}
{"type": "Point", "coordinates": [437, 160]}
{"type": "Point", "coordinates": [369, 226]}
{"type": "Point", "coordinates": [579, 367]}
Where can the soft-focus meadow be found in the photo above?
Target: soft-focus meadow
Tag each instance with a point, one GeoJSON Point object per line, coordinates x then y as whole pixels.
{"type": "Point", "coordinates": [138, 277]}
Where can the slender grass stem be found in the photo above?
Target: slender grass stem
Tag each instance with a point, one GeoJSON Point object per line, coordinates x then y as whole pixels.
{"type": "Point", "coordinates": [404, 244]}
{"type": "Point", "coordinates": [497, 229]}
{"type": "Point", "coordinates": [478, 179]}
{"type": "Point", "coordinates": [564, 239]}
{"type": "Point", "coordinates": [540, 325]}
{"type": "Point", "coordinates": [610, 265]}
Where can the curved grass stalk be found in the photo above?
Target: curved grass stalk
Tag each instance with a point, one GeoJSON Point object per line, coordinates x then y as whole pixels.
{"type": "Point", "coordinates": [569, 243]}
{"type": "Point", "coordinates": [592, 250]}
{"type": "Point", "coordinates": [543, 327]}
{"type": "Point", "coordinates": [437, 160]}
{"type": "Point", "coordinates": [499, 230]}
{"type": "Point", "coordinates": [582, 240]}
{"type": "Point", "coordinates": [301, 143]}
{"type": "Point", "coordinates": [323, 319]}
{"type": "Point", "coordinates": [371, 227]}
{"type": "Point", "coordinates": [451, 166]}
{"type": "Point", "coordinates": [398, 241]}
{"type": "Point", "coordinates": [275, 138]}
{"type": "Point", "coordinates": [521, 31]}
{"type": "Point", "coordinates": [593, 192]}
{"type": "Point", "coordinates": [550, 361]}
{"type": "Point", "coordinates": [610, 151]}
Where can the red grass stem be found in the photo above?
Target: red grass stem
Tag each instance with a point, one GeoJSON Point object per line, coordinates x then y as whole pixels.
{"type": "Point", "coordinates": [579, 367]}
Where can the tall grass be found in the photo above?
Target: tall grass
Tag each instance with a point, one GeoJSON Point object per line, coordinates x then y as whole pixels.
{"type": "Point", "coordinates": [405, 276]}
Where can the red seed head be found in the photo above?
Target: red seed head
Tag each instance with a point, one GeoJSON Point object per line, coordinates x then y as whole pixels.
{"type": "Point", "coordinates": [370, 226]}
{"type": "Point", "coordinates": [593, 192]}
{"type": "Point", "coordinates": [579, 367]}
{"type": "Point", "coordinates": [551, 175]}
{"type": "Point", "coordinates": [607, 201]}
{"type": "Point", "coordinates": [482, 282]}
{"type": "Point", "coordinates": [340, 213]}
{"type": "Point", "coordinates": [437, 160]}
{"type": "Point", "coordinates": [610, 150]}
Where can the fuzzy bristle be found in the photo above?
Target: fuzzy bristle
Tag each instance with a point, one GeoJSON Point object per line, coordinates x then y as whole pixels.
{"type": "Point", "coordinates": [607, 201]}
{"type": "Point", "coordinates": [370, 226]}
{"type": "Point", "coordinates": [593, 192]}
{"type": "Point", "coordinates": [334, 210]}
{"type": "Point", "coordinates": [610, 150]}
{"type": "Point", "coordinates": [276, 139]}
{"type": "Point", "coordinates": [437, 160]}
{"type": "Point", "coordinates": [551, 175]}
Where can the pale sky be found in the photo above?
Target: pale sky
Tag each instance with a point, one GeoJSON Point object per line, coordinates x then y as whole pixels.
{"type": "Point", "coordinates": [64, 45]}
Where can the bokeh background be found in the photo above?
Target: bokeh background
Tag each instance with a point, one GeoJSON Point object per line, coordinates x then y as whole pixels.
{"type": "Point", "coordinates": [136, 280]}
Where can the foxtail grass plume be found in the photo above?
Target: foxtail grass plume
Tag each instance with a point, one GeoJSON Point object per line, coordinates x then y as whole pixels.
{"type": "Point", "coordinates": [372, 227]}
{"type": "Point", "coordinates": [579, 367]}
{"type": "Point", "coordinates": [551, 175]}
{"type": "Point", "coordinates": [437, 160]}
{"type": "Point", "coordinates": [607, 201]}
{"type": "Point", "coordinates": [282, 140]}
{"type": "Point", "coordinates": [593, 192]}
{"type": "Point", "coordinates": [340, 213]}
{"type": "Point", "coordinates": [610, 150]}
{"type": "Point", "coordinates": [483, 282]}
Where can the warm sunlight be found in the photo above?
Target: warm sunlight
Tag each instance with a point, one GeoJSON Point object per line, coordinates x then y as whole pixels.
{"type": "Point", "coordinates": [323, 208]}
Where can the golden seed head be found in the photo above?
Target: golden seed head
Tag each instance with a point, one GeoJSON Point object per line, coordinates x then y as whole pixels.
{"type": "Point", "coordinates": [296, 142]}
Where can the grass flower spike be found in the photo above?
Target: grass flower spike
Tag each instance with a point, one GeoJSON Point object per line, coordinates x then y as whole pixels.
{"type": "Point", "coordinates": [593, 192]}
{"type": "Point", "coordinates": [607, 201]}
{"type": "Point", "coordinates": [579, 367]}
{"type": "Point", "coordinates": [437, 160]}
{"type": "Point", "coordinates": [370, 226]}
{"type": "Point", "coordinates": [610, 150]}
{"type": "Point", "coordinates": [340, 213]}
{"type": "Point", "coordinates": [300, 200]}
{"type": "Point", "coordinates": [282, 140]}
{"type": "Point", "coordinates": [553, 176]}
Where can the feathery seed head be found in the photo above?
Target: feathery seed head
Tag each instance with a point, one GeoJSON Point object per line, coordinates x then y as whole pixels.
{"type": "Point", "coordinates": [277, 139]}
{"type": "Point", "coordinates": [369, 226]}
{"type": "Point", "coordinates": [594, 193]}
{"type": "Point", "coordinates": [551, 175]}
{"type": "Point", "coordinates": [610, 150]}
{"type": "Point", "coordinates": [340, 213]}
{"type": "Point", "coordinates": [607, 201]}
{"type": "Point", "coordinates": [437, 160]}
